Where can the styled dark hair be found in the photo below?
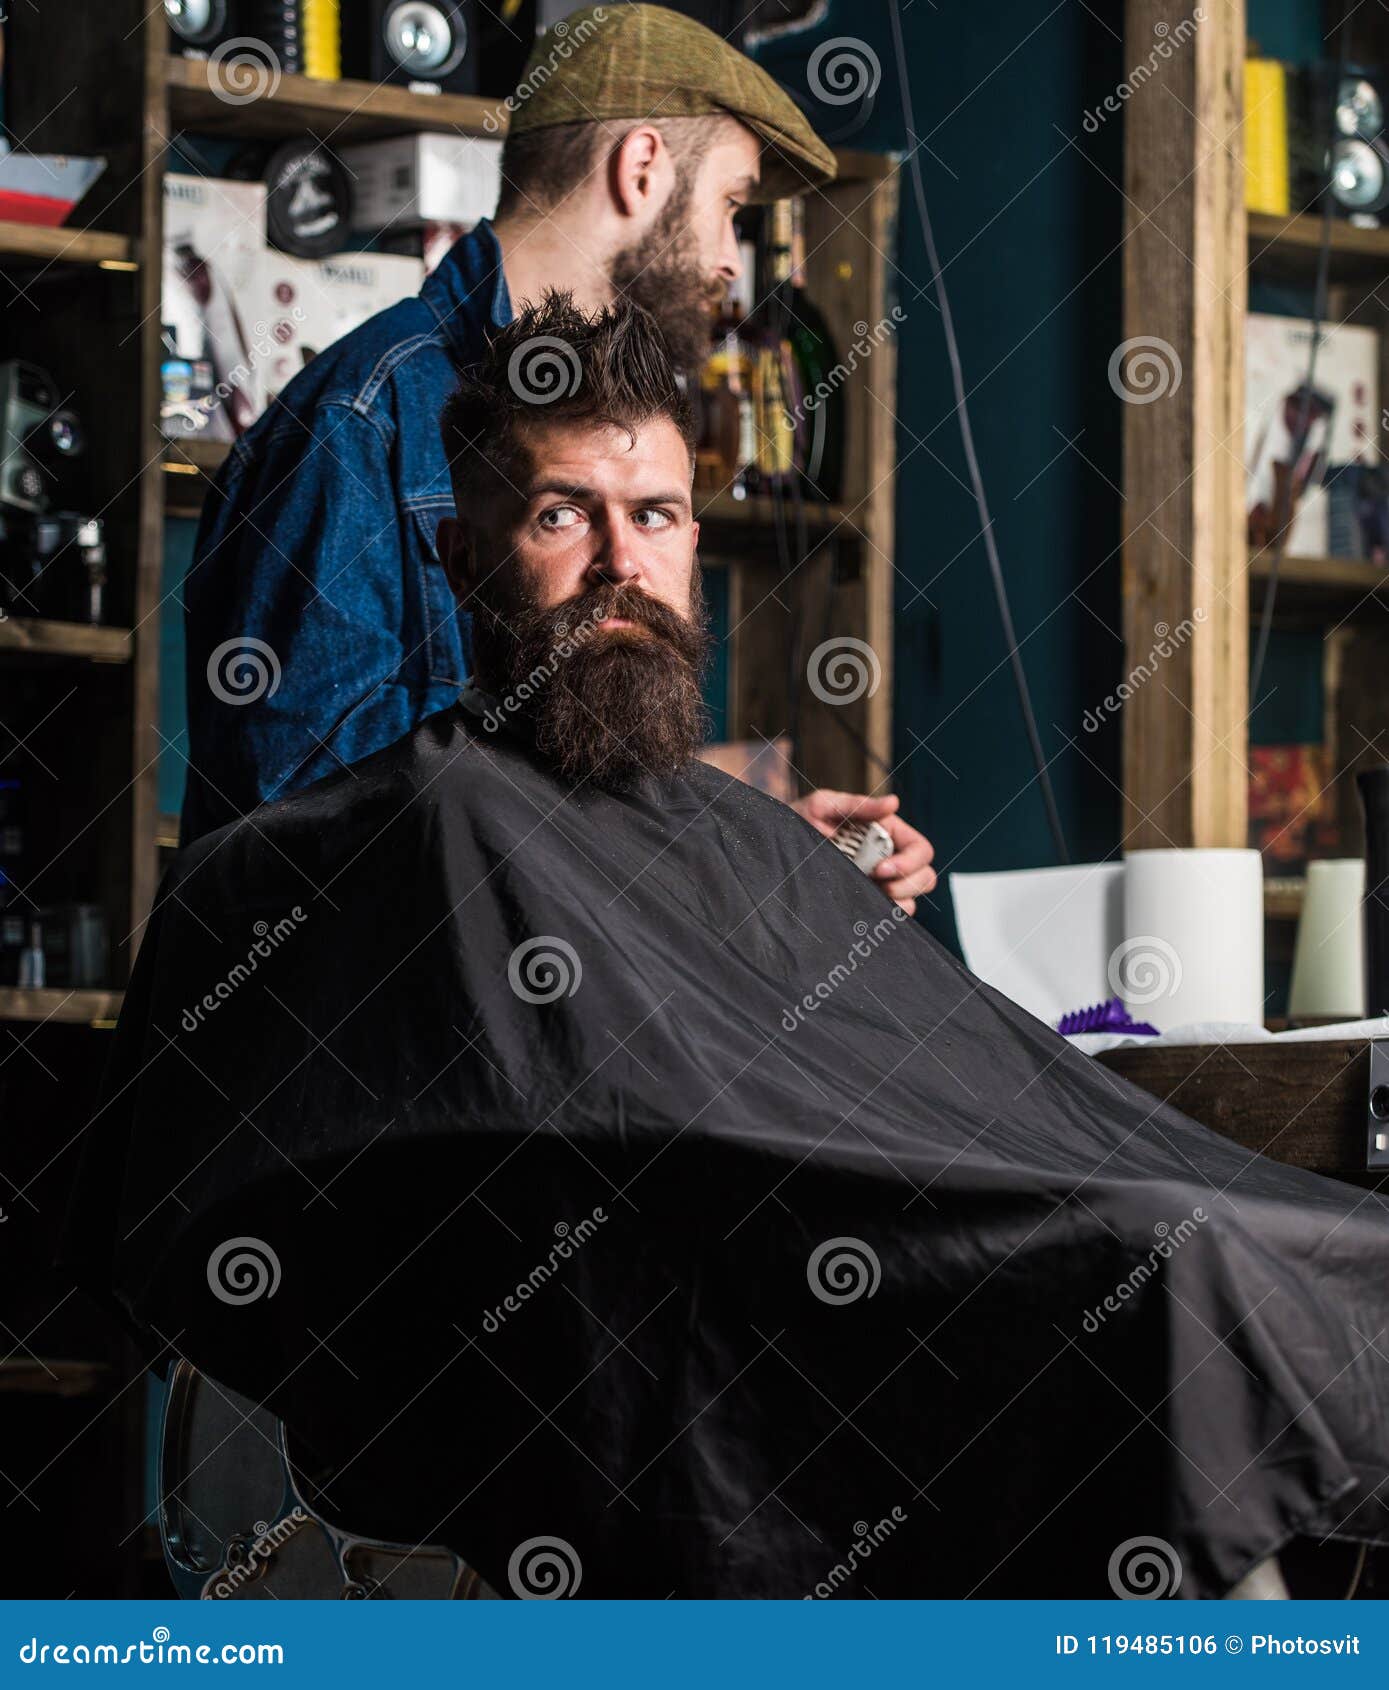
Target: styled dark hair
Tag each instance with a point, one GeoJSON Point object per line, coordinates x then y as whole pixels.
{"type": "Point", "coordinates": [541, 166]}
{"type": "Point", "coordinates": [555, 363]}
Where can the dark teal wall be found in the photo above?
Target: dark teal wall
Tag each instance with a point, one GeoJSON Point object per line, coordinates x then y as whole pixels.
{"type": "Point", "coordinates": [1027, 213]}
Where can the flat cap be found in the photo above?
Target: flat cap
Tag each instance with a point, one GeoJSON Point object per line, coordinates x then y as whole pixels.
{"type": "Point", "coordinates": [603, 63]}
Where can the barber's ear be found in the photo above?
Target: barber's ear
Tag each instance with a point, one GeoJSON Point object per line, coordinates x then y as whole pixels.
{"type": "Point", "coordinates": [642, 171]}
{"type": "Point", "coordinates": [455, 549]}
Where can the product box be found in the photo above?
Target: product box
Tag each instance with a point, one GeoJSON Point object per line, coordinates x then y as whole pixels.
{"type": "Point", "coordinates": [308, 304]}
{"type": "Point", "coordinates": [1343, 422]}
{"type": "Point", "coordinates": [214, 246]}
{"type": "Point", "coordinates": [423, 179]}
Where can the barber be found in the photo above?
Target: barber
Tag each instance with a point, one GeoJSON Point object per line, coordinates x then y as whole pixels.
{"type": "Point", "coordinates": [320, 625]}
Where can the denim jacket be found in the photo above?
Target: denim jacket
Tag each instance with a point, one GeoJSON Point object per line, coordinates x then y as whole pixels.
{"type": "Point", "coordinates": [320, 625]}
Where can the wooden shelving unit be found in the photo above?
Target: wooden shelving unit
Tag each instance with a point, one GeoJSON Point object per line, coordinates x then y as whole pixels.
{"type": "Point", "coordinates": [1190, 253]}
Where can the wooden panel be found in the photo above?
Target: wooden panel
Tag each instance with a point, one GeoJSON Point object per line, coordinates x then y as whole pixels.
{"type": "Point", "coordinates": [202, 97]}
{"type": "Point", "coordinates": [33, 636]}
{"type": "Point", "coordinates": [1302, 1103]}
{"type": "Point", "coordinates": [71, 246]}
{"type": "Point", "coordinates": [55, 1004]}
{"type": "Point", "coordinates": [1183, 550]}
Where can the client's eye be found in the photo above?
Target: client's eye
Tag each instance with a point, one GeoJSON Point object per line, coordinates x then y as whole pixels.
{"type": "Point", "coordinates": [657, 518]}
{"type": "Point", "coordinates": [560, 516]}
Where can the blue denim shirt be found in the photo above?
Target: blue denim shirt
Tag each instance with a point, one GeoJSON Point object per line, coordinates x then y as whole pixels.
{"type": "Point", "coordinates": [320, 625]}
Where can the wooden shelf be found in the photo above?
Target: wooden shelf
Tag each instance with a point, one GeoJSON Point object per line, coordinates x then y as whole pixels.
{"type": "Point", "coordinates": [1337, 586]}
{"type": "Point", "coordinates": [202, 98]}
{"type": "Point", "coordinates": [1291, 244]}
{"type": "Point", "coordinates": [58, 1004]}
{"type": "Point", "coordinates": [66, 246]}
{"type": "Point", "coordinates": [35, 1377]}
{"type": "Point", "coordinates": [33, 636]}
{"type": "Point", "coordinates": [189, 467]}
{"type": "Point", "coordinates": [761, 512]}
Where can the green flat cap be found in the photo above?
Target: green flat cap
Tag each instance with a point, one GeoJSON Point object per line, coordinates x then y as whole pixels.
{"type": "Point", "coordinates": [645, 62]}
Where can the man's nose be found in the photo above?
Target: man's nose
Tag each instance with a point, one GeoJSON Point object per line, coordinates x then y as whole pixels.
{"type": "Point", "coordinates": [615, 560]}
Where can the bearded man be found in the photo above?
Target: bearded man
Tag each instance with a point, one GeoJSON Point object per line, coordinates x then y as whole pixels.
{"type": "Point", "coordinates": [636, 136]}
{"type": "Point", "coordinates": [598, 1177]}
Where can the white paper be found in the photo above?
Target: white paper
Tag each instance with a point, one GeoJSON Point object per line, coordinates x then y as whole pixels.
{"type": "Point", "coordinates": [1042, 936]}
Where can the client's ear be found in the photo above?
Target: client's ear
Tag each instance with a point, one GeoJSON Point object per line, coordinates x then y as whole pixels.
{"type": "Point", "coordinates": [455, 548]}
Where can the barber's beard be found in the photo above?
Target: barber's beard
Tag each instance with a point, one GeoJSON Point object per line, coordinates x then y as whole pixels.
{"type": "Point", "coordinates": [608, 707]}
{"type": "Point", "coordinates": [664, 274]}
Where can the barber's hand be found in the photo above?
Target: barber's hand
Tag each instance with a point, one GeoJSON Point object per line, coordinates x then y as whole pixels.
{"type": "Point", "coordinates": [904, 875]}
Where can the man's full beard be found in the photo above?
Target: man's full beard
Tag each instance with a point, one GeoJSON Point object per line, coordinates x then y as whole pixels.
{"type": "Point", "coordinates": [607, 706]}
{"type": "Point", "coordinates": [663, 274]}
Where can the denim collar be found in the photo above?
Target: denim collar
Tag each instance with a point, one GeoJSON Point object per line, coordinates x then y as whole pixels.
{"type": "Point", "coordinates": [467, 286]}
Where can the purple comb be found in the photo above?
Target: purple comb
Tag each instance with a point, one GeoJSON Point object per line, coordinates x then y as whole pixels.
{"type": "Point", "coordinates": [1107, 1017]}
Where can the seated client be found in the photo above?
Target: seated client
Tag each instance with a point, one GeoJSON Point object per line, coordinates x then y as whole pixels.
{"type": "Point", "coordinates": [574, 1148]}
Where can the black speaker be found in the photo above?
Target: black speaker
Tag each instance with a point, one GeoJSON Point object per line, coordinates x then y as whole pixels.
{"type": "Point", "coordinates": [1350, 106]}
{"type": "Point", "coordinates": [429, 43]}
{"type": "Point", "coordinates": [271, 30]}
{"type": "Point", "coordinates": [197, 27]}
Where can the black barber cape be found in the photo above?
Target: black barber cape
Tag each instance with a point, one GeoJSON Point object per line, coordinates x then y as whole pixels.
{"type": "Point", "coordinates": [617, 1179]}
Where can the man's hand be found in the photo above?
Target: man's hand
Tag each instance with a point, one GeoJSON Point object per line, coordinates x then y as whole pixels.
{"type": "Point", "coordinates": [907, 872]}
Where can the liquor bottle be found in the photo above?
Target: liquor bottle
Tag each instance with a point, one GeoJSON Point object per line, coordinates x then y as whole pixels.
{"type": "Point", "coordinates": [726, 448]}
{"type": "Point", "coordinates": [771, 361]}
